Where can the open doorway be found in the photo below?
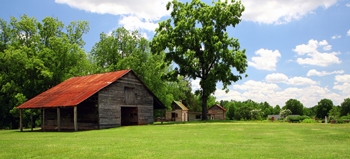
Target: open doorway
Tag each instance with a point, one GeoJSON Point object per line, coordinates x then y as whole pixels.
{"type": "Point", "coordinates": [129, 116]}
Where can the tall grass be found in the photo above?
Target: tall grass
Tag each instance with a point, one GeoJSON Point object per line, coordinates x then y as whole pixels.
{"type": "Point", "coordinates": [185, 140]}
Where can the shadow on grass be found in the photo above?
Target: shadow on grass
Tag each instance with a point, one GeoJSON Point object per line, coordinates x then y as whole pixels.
{"type": "Point", "coordinates": [191, 122]}
{"type": "Point", "coordinates": [155, 123]}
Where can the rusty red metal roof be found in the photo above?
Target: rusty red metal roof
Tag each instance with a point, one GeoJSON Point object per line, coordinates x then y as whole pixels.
{"type": "Point", "coordinates": [73, 91]}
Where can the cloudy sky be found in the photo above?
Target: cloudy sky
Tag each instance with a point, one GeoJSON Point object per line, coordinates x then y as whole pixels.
{"type": "Point", "coordinates": [296, 49]}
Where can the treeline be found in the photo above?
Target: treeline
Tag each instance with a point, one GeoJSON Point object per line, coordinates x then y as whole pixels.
{"type": "Point", "coordinates": [250, 110]}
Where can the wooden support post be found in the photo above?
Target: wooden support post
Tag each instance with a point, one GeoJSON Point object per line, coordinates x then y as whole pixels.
{"type": "Point", "coordinates": [162, 116]}
{"type": "Point", "coordinates": [43, 119]}
{"type": "Point", "coordinates": [75, 119]}
{"type": "Point", "coordinates": [58, 119]}
{"type": "Point", "coordinates": [31, 120]}
{"type": "Point", "coordinates": [20, 120]}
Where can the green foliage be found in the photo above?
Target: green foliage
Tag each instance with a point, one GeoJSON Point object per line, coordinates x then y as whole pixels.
{"type": "Point", "coordinates": [339, 121]}
{"type": "Point", "coordinates": [345, 107]}
{"type": "Point", "coordinates": [265, 109]}
{"type": "Point", "coordinates": [35, 56]}
{"type": "Point", "coordinates": [292, 118]}
{"type": "Point", "coordinates": [310, 111]}
{"type": "Point", "coordinates": [230, 107]}
{"type": "Point", "coordinates": [303, 117]}
{"type": "Point", "coordinates": [192, 101]}
{"type": "Point", "coordinates": [285, 112]}
{"type": "Point", "coordinates": [334, 112]}
{"type": "Point", "coordinates": [243, 112]}
{"type": "Point", "coordinates": [323, 108]}
{"type": "Point", "coordinates": [256, 114]}
{"type": "Point", "coordinates": [346, 117]}
{"type": "Point", "coordinates": [276, 109]}
{"type": "Point", "coordinates": [295, 106]}
{"type": "Point", "coordinates": [195, 38]}
{"type": "Point", "coordinates": [309, 121]}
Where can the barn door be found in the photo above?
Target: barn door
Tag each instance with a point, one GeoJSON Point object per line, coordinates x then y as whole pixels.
{"type": "Point", "coordinates": [129, 95]}
{"type": "Point", "coordinates": [129, 116]}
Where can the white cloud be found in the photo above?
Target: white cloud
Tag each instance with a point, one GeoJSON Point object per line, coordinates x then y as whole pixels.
{"type": "Point", "coordinates": [252, 85]}
{"type": "Point", "coordinates": [280, 12]}
{"type": "Point", "coordinates": [323, 42]}
{"type": "Point", "coordinates": [344, 88]}
{"type": "Point", "coordinates": [343, 78]}
{"type": "Point", "coordinates": [325, 45]}
{"type": "Point", "coordinates": [299, 81]}
{"type": "Point", "coordinates": [314, 56]}
{"type": "Point", "coordinates": [343, 84]}
{"type": "Point", "coordinates": [336, 36]}
{"type": "Point", "coordinates": [282, 78]}
{"type": "Point", "coordinates": [276, 78]}
{"type": "Point", "coordinates": [314, 72]}
{"type": "Point", "coordinates": [347, 4]}
{"type": "Point", "coordinates": [139, 13]}
{"type": "Point", "coordinates": [135, 23]}
{"type": "Point", "coordinates": [195, 85]}
{"type": "Point", "coordinates": [231, 95]}
{"type": "Point", "coordinates": [327, 48]}
{"type": "Point", "coordinates": [266, 60]}
{"type": "Point", "coordinates": [348, 33]}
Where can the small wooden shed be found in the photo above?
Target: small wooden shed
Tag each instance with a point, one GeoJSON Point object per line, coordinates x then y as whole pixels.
{"type": "Point", "coordinates": [179, 112]}
{"type": "Point", "coordinates": [217, 112]}
{"type": "Point", "coordinates": [94, 102]}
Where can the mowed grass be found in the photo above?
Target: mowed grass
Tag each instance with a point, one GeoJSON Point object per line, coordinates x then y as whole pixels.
{"type": "Point", "coordinates": [189, 140]}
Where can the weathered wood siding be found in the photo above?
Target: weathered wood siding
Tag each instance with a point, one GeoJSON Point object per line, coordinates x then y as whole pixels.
{"type": "Point", "coordinates": [181, 115]}
{"type": "Point", "coordinates": [217, 113]}
{"type": "Point", "coordinates": [87, 113]}
{"type": "Point", "coordinates": [127, 91]}
{"type": "Point", "coordinates": [192, 116]}
{"type": "Point", "coordinates": [87, 116]}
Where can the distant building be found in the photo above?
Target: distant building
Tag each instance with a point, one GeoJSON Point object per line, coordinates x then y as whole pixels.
{"type": "Point", "coordinates": [275, 117]}
{"type": "Point", "coordinates": [217, 112]}
{"type": "Point", "coordinates": [179, 112]}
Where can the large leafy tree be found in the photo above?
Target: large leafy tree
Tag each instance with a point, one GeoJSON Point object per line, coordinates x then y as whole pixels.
{"type": "Point", "coordinates": [195, 39]}
{"type": "Point", "coordinates": [323, 108]}
{"type": "Point", "coordinates": [295, 106]}
{"type": "Point", "coordinates": [35, 56]}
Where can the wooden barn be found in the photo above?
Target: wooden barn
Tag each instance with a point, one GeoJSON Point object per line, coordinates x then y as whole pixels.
{"type": "Point", "coordinates": [217, 112]}
{"type": "Point", "coordinates": [95, 102]}
{"type": "Point", "coordinates": [179, 112]}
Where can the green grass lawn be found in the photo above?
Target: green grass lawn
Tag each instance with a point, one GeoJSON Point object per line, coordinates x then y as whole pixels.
{"type": "Point", "coordinates": [189, 140]}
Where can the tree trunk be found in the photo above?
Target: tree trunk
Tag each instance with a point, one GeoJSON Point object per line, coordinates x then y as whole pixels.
{"type": "Point", "coordinates": [204, 106]}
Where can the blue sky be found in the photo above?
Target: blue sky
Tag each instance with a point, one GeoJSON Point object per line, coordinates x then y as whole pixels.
{"type": "Point", "coordinates": [296, 49]}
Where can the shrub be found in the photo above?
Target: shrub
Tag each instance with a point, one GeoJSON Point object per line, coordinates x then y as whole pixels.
{"type": "Point", "coordinates": [301, 118]}
{"type": "Point", "coordinates": [340, 121]}
{"type": "Point", "coordinates": [309, 121]}
{"type": "Point", "coordinates": [345, 117]}
{"type": "Point", "coordinates": [285, 112]}
{"type": "Point", "coordinates": [293, 119]}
